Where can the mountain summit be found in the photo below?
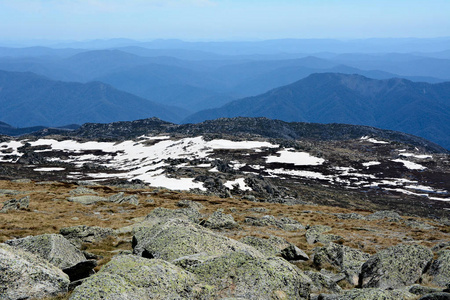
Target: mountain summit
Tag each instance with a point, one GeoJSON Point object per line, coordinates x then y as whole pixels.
{"type": "Point", "coordinates": [418, 108]}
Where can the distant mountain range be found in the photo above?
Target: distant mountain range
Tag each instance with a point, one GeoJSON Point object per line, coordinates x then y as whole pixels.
{"type": "Point", "coordinates": [417, 108]}
{"type": "Point", "coordinates": [27, 99]}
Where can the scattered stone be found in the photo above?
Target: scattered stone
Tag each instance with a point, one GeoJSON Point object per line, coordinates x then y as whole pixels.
{"type": "Point", "coordinates": [418, 224]}
{"type": "Point", "coordinates": [440, 269]}
{"type": "Point", "coordinates": [259, 209]}
{"type": "Point", "coordinates": [249, 198]}
{"type": "Point", "coordinates": [87, 200]}
{"type": "Point", "coordinates": [150, 201]}
{"type": "Point", "coordinates": [395, 267]}
{"type": "Point", "coordinates": [177, 238]}
{"type": "Point", "coordinates": [78, 235]}
{"type": "Point", "coordinates": [391, 216]}
{"type": "Point", "coordinates": [81, 190]}
{"type": "Point", "coordinates": [24, 180]}
{"type": "Point", "coordinates": [190, 204]}
{"type": "Point", "coordinates": [347, 260]}
{"type": "Point", "coordinates": [322, 283]}
{"type": "Point", "coordinates": [242, 275]}
{"type": "Point", "coordinates": [370, 294]}
{"type": "Point", "coordinates": [440, 246]}
{"type": "Point", "coordinates": [352, 216]}
{"type": "Point", "coordinates": [133, 277]}
{"type": "Point", "coordinates": [14, 204]}
{"type": "Point", "coordinates": [24, 275]}
{"type": "Point", "coordinates": [121, 198]}
{"type": "Point", "coordinates": [219, 220]}
{"type": "Point", "coordinates": [314, 234]}
{"type": "Point", "coordinates": [10, 192]}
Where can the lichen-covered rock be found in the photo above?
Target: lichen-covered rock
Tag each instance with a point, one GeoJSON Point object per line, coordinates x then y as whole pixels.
{"type": "Point", "coordinates": [24, 275]}
{"type": "Point", "coordinates": [78, 235]}
{"type": "Point", "coordinates": [59, 252]}
{"type": "Point", "coordinates": [190, 204]}
{"type": "Point", "coordinates": [436, 296]}
{"type": "Point", "coordinates": [275, 246]}
{"type": "Point", "coordinates": [160, 215]}
{"type": "Point", "coordinates": [133, 277]}
{"type": "Point", "coordinates": [440, 269]}
{"type": "Point", "coordinates": [417, 289]}
{"type": "Point", "coordinates": [219, 220]}
{"type": "Point", "coordinates": [242, 275]}
{"type": "Point", "coordinates": [15, 204]}
{"type": "Point", "coordinates": [52, 247]}
{"type": "Point", "coordinates": [346, 259]}
{"type": "Point", "coordinates": [349, 216]}
{"type": "Point", "coordinates": [81, 190]}
{"type": "Point", "coordinates": [314, 234]}
{"type": "Point", "coordinates": [391, 216]}
{"type": "Point", "coordinates": [177, 238]}
{"type": "Point", "coordinates": [322, 283]}
{"type": "Point", "coordinates": [87, 199]}
{"type": "Point", "coordinates": [370, 294]}
{"type": "Point", "coordinates": [395, 267]}
{"type": "Point", "coordinates": [121, 198]}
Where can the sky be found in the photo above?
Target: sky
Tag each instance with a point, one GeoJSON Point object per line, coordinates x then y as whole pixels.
{"type": "Point", "coordinates": [222, 19]}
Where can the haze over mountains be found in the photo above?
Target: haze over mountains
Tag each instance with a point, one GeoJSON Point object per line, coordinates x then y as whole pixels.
{"type": "Point", "coordinates": [118, 80]}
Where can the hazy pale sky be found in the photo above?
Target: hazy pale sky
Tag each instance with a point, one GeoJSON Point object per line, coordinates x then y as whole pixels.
{"type": "Point", "coordinates": [222, 19]}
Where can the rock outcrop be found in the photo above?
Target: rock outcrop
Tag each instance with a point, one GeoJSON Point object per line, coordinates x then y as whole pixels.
{"type": "Point", "coordinates": [347, 260]}
{"type": "Point", "coordinates": [395, 267]}
{"type": "Point", "coordinates": [219, 220]}
{"type": "Point", "coordinates": [243, 275]}
{"type": "Point", "coordinates": [24, 275]}
{"type": "Point", "coordinates": [133, 277]}
{"type": "Point", "coordinates": [440, 269]}
{"type": "Point", "coordinates": [15, 204]}
{"type": "Point", "coordinates": [80, 234]}
{"type": "Point", "coordinates": [275, 246]}
{"type": "Point", "coordinates": [177, 238]}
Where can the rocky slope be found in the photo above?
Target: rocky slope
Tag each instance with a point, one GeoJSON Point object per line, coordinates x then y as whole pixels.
{"type": "Point", "coordinates": [178, 245]}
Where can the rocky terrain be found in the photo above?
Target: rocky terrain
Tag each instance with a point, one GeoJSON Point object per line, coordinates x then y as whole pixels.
{"type": "Point", "coordinates": [114, 211]}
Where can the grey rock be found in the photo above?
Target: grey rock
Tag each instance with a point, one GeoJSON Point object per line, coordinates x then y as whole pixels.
{"type": "Point", "coordinates": [417, 289]}
{"type": "Point", "coordinates": [14, 204]}
{"type": "Point", "coordinates": [78, 235]}
{"type": "Point", "coordinates": [23, 275]}
{"type": "Point", "coordinates": [132, 277]}
{"type": "Point", "coordinates": [87, 200]}
{"type": "Point", "coordinates": [314, 234]}
{"type": "Point", "coordinates": [347, 260]}
{"type": "Point", "coordinates": [418, 224]}
{"type": "Point", "coordinates": [190, 204]}
{"type": "Point", "coordinates": [391, 216]}
{"type": "Point", "coordinates": [52, 247]}
{"type": "Point", "coordinates": [177, 238]}
{"type": "Point", "coordinates": [275, 246]}
{"type": "Point", "coordinates": [395, 267]}
{"type": "Point", "coordinates": [436, 296]}
{"type": "Point", "coordinates": [322, 283]}
{"type": "Point", "coordinates": [243, 275]}
{"type": "Point", "coordinates": [121, 198]}
{"type": "Point", "coordinates": [10, 192]}
{"type": "Point", "coordinates": [440, 269]}
{"type": "Point", "coordinates": [219, 220]}
{"type": "Point", "coordinates": [160, 214]}
{"type": "Point", "coordinates": [81, 190]}
{"type": "Point", "coordinates": [370, 294]}
{"type": "Point", "coordinates": [351, 216]}
{"type": "Point", "coordinates": [259, 209]}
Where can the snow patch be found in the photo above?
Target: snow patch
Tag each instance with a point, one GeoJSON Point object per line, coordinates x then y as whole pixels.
{"type": "Point", "coordinates": [410, 165]}
{"type": "Point", "coordinates": [288, 156]}
{"type": "Point", "coordinates": [240, 182]}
